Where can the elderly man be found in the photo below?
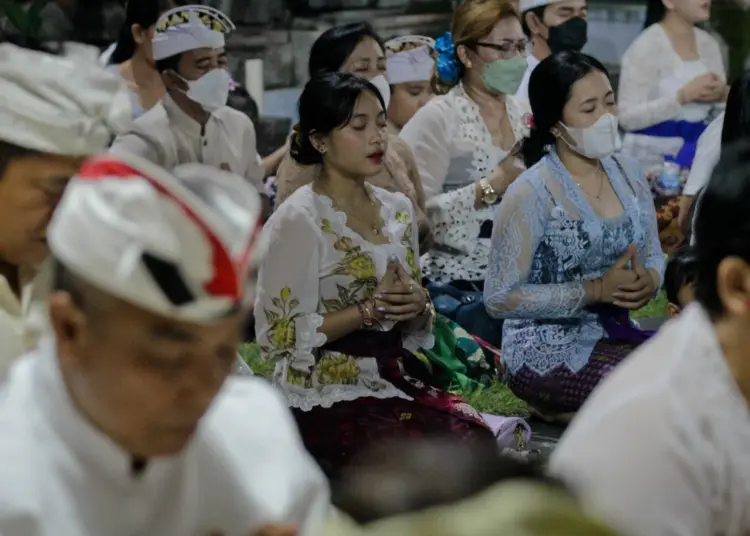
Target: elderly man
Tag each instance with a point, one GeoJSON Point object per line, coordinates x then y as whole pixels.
{"type": "Point", "coordinates": [125, 422]}
{"type": "Point", "coordinates": [54, 110]}
{"type": "Point", "coordinates": [192, 123]}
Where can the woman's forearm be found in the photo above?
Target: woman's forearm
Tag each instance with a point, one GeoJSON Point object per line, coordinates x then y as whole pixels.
{"type": "Point", "coordinates": [341, 323]}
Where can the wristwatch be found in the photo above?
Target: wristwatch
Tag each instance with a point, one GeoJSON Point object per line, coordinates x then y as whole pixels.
{"type": "Point", "coordinates": [489, 195]}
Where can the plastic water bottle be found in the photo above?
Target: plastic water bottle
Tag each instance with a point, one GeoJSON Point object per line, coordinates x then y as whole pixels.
{"type": "Point", "coordinates": [669, 180]}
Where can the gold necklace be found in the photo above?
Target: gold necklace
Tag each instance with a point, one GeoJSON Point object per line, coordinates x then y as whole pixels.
{"type": "Point", "coordinates": [375, 226]}
{"type": "Point", "coordinates": [601, 174]}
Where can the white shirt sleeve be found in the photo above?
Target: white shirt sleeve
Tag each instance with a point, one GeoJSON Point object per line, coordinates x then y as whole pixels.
{"type": "Point", "coordinates": [428, 136]}
{"type": "Point", "coordinates": [286, 307]}
{"type": "Point", "coordinates": [131, 143]}
{"type": "Point", "coordinates": [643, 62]}
{"type": "Point", "coordinates": [706, 157]}
{"type": "Point", "coordinates": [630, 467]}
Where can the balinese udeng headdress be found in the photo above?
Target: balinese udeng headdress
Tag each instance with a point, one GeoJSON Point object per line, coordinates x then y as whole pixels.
{"type": "Point", "coordinates": [410, 59]}
{"type": "Point", "coordinates": [188, 28]}
{"type": "Point", "coordinates": [63, 104]}
{"type": "Point", "coordinates": [177, 244]}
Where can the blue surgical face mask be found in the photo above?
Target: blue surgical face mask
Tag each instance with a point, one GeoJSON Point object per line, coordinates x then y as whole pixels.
{"type": "Point", "coordinates": [505, 75]}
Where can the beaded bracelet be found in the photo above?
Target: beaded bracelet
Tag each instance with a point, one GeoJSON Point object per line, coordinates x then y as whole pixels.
{"type": "Point", "coordinates": [364, 311]}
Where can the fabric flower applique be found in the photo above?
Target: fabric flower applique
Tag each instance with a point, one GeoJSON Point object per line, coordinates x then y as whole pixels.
{"type": "Point", "coordinates": [528, 120]}
{"type": "Point", "coordinates": [447, 62]}
{"type": "Point", "coordinates": [282, 332]}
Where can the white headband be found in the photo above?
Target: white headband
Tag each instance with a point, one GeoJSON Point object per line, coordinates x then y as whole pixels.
{"type": "Point", "coordinates": [188, 28]}
{"type": "Point", "coordinates": [177, 244]}
{"type": "Point", "coordinates": [67, 104]}
{"type": "Point", "coordinates": [414, 65]}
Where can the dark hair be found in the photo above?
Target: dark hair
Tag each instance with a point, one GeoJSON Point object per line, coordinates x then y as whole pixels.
{"type": "Point", "coordinates": [172, 63]}
{"type": "Point", "coordinates": [240, 100]}
{"type": "Point", "coordinates": [737, 113]}
{"type": "Point", "coordinates": [144, 13]}
{"type": "Point", "coordinates": [326, 103]}
{"type": "Point", "coordinates": [334, 46]}
{"type": "Point", "coordinates": [10, 152]}
{"type": "Point", "coordinates": [472, 469]}
{"type": "Point", "coordinates": [655, 11]}
{"type": "Point", "coordinates": [681, 270]}
{"type": "Point", "coordinates": [538, 11]}
{"type": "Point", "coordinates": [550, 86]}
{"type": "Point", "coordinates": [722, 222]}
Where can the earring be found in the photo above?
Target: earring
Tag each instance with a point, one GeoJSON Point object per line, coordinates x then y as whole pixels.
{"type": "Point", "coordinates": [323, 149]}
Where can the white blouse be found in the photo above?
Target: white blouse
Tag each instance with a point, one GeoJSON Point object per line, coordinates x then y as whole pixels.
{"type": "Point", "coordinates": [453, 150]}
{"type": "Point", "coordinates": [314, 265]}
{"type": "Point", "coordinates": [652, 74]}
{"type": "Point", "coordinates": [661, 446]}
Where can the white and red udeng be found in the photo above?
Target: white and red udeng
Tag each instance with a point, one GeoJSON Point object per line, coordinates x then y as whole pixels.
{"type": "Point", "coordinates": [177, 244]}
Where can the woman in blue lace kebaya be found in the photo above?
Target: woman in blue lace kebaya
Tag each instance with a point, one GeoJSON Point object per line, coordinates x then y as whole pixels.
{"type": "Point", "coordinates": [575, 243]}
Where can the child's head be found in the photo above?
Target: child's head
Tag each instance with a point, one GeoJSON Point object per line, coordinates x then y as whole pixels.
{"type": "Point", "coordinates": [679, 280]}
{"type": "Point", "coordinates": [410, 67]}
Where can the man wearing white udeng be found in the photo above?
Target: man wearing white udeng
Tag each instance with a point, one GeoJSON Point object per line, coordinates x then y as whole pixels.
{"type": "Point", "coordinates": [124, 421]}
{"type": "Point", "coordinates": [54, 111]}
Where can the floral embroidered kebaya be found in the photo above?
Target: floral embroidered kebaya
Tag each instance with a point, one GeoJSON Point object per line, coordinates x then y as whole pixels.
{"type": "Point", "coordinates": [315, 265]}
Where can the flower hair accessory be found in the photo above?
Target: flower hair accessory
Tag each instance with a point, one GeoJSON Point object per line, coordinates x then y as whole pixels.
{"type": "Point", "coordinates": [528, 120]}
{"type": "Point", "coordinates": [447, 62]}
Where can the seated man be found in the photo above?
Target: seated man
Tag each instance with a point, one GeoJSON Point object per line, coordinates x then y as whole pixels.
{"type": "Point", "coordinates": [124, 421]}
{"type": "Point", "coordinates": [192, 123]}
{"type": "Point", "coordinates": [56, 109]}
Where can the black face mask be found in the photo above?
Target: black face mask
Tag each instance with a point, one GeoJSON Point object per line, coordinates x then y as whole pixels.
{"type": "Point", "coordinates": [570, 35]}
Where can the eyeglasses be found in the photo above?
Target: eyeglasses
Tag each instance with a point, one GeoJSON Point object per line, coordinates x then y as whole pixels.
{"type": "Point", "coordinates": [509, 49]}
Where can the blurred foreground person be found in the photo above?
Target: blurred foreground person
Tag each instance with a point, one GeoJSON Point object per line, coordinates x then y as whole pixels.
{"type": "Point", "coordinates": [124, 421]}
{"type": "Point", "coordinates": [55, 110]}
{"type": "Point", "coordinates": [406, 488]}
{"type": "Point", "coordinates": [661, 447]}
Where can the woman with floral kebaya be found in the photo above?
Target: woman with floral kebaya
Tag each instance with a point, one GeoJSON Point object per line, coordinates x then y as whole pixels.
{"type": "Point", "coordinates": [340, 306]}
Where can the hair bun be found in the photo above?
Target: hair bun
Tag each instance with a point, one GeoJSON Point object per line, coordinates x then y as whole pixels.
{"type": "Point", "coordinates": [302, 150]}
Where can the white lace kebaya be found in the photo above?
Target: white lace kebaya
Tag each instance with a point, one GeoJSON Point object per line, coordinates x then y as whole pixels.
{"type": "Point", "coordinates": [314, 265]}
{"type": "Point", "coordinates": [547, 241]}
{"type": "Point", "coordinates": [454, 150]}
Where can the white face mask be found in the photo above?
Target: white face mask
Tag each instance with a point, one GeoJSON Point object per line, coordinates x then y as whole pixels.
{"type": "Point", "coordinates": [381, 82]}
{"type": "Point", "coordinates": [597, 141]}
{"type": "Point", "coordinates": [211, 90]}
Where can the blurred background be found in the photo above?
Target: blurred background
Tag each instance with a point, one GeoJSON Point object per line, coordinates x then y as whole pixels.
{"type": "Point", "coordinates": [269, 50]}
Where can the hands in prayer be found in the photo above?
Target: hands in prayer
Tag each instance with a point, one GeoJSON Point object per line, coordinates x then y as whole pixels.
{"type": "Point", "coordinates": [630, 287]}
{"type": "Point", "coordinates": [398, 297]}
{"type": "Point", "coordinates": [704, 88]}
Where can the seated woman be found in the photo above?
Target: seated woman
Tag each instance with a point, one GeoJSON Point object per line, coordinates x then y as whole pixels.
{"type": "Point", "coordinates": [339, 305]}
{"type": "Point", "coordinates": [356, 48]}
{"type": "Point", "coordinates": [132, 57]}
{"type": "Point", "coordinates": [672, 84]}
{"type": "Point", "coordinates": [464, 143]}
{"type": "Point", "coordinates": [410, 68]}
{"type": "Point", "coordinates": [661, 448]}
{"type": "Point", "coordinates": [575, 243]}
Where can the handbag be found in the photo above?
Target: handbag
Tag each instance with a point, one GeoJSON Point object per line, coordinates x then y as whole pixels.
{"type": "Point", "coordinates": [466, 308]}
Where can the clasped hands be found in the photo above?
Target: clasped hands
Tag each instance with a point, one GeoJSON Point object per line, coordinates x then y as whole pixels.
{"type": "Point", "coordinates": [627, 284]}
{"type": "Point", "coordinates": [398, 298]}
